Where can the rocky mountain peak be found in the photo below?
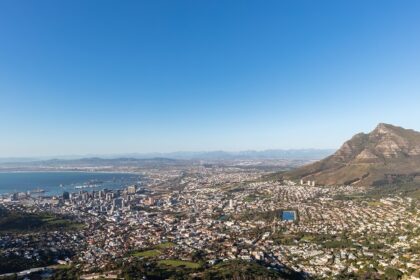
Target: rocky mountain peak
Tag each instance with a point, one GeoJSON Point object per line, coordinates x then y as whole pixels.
{"type": "Point", "coordinates": [366, 158]}
{"type": "Point", "coordinates": [383, 128]}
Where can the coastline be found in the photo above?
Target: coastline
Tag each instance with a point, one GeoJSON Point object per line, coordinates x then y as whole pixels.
{"type": "Point", "coordinates": [52, 183]}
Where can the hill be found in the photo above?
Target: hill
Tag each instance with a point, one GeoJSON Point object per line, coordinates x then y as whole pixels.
{"type": "Point", "coordinates": [22, 222]}
{"type": "Point", "coordinates": [386, 155]}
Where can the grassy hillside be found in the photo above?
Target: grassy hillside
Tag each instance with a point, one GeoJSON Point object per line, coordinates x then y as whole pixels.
{"type": "Point", "coordinates": [17, 221]}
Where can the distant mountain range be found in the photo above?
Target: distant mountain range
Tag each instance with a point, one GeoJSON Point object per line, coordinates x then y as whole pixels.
{"type": "Point", "coordinates": [89, 162]}
{"type": "Point", "coordinates": [385, 155]}
{"type": "Point", "coordinates": [296, 154]}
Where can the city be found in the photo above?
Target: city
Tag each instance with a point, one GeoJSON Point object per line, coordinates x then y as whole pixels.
{"type": "Point", "coordinates": [209, 140]}
{"type": "Point", "coordinates": [225, 213]}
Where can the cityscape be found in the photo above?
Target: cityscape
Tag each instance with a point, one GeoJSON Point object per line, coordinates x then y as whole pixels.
{"type": "Point", "coordinates": [209, 140]}
{"type": "Point", "coordinates": [199, 216]}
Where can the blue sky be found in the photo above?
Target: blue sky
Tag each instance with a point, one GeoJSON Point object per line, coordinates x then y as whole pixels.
{"type": "Point", "coordinates": [92, 77]}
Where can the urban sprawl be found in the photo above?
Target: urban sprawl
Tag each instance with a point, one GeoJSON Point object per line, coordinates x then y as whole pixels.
{"type": "Point", "coordinates": [226, 213]}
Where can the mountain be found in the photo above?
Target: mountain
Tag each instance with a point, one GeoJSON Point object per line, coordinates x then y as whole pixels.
{"type": "Point", "coordinates": [157, 160]}
{"type": "Point", "coordinates": [293, 154]}
{"type": "Point", "coordinates": [385, 155]}
{"type": "Point", "coordinates": [91, 162]}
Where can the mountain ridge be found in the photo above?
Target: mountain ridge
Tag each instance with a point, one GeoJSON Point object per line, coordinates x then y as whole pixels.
{"type": "Point", "coordinates": [367, 159]}
{"type": "Point", "coordinates": [312, 154]}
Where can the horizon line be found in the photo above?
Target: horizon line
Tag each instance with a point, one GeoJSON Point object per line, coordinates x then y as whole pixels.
{"type": "Point", "coordinates": [153, 154]}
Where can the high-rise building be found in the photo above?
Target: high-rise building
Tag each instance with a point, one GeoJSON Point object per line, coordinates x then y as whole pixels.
{"type": "Point", "coordinates": [150, 201]}
{"type": "Point", "coordinates": [132, 189]}
{"type": "Point", "coordinates": [230, 203]}
{"type": "Point", "coordinates": [109, 196]}
{"type": "Point", "coordinates": [118, 203]}
{"type": "Point", "coordinates": [66, 195]}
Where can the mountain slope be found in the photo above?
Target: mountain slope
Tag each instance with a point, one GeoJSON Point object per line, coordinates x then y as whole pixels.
{"type": "Point", "coordinates": [385, 154]}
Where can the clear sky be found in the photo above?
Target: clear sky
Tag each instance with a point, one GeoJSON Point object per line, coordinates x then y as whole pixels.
{"type": "Point", "coordinates": [92, 77]}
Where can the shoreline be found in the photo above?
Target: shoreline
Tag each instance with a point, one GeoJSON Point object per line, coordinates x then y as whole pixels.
{"type": "Point", "coordinates": [54, 189]}
{"type": "Point", "coordinates": [68, 171]}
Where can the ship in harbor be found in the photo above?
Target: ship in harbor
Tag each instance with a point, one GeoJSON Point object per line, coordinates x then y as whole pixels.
{"type": "Point", "coordinates": [38, 190]}
{"type": "Point", "coordinates": [87, 186]}
{"type": "Point", "coordinates": [90, 184]}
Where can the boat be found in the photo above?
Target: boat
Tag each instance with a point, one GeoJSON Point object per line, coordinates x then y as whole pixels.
{"type": "Point", "coordinates": [38, 190]}
{"type": "Point", "coordinates": [87, 186]}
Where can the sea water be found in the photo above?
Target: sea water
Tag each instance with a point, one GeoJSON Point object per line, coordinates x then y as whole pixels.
{"type": "Point", "coordinates": [55, 183]}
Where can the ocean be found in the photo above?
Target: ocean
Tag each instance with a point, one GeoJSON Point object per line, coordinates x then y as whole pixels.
{"type": "Point", "coordinates": [55, 183]}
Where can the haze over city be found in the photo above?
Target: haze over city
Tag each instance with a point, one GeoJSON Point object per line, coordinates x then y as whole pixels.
{"type": "Point", "coordinates": [97, 77]}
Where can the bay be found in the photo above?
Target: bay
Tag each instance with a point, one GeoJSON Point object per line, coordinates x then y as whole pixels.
{"type": "Point", "coordinates": [55, 183]}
